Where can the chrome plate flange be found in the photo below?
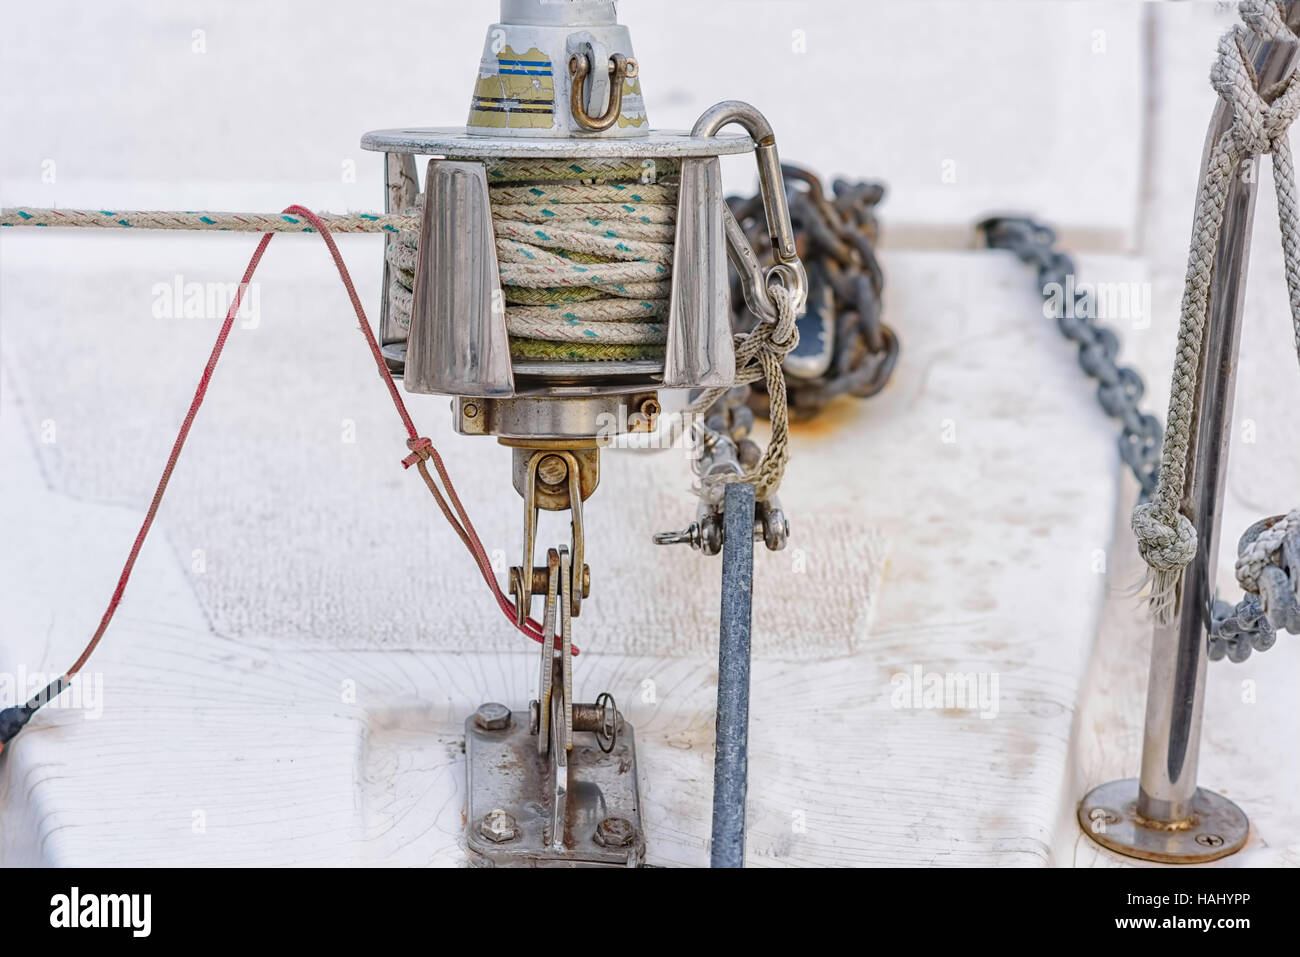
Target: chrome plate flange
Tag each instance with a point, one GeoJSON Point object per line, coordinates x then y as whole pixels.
{"type": "Point", "coordinates": [1108, 814]}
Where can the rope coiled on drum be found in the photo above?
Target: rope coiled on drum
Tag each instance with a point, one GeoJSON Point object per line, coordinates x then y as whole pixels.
{"type": "Point", "coordinates": [585, 253]}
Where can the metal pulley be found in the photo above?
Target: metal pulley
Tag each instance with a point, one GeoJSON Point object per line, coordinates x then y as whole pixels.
{"type": "Point", "coordinates": [571, 261]}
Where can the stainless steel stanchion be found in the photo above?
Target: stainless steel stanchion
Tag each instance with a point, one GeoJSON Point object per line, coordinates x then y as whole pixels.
{"type": "Point", "coordinates": [1163, 815]}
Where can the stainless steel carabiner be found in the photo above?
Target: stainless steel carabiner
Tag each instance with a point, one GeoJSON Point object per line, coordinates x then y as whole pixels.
{"type": "Point", "coordinates": [787, 270]}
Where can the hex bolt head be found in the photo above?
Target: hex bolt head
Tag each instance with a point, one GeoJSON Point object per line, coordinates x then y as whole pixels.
{"type": "Point", "coordinates": [615, 832]}
{"type": "Point", "coordinates": [492, 716]}
{"type": "Point", "coordinates": [499, 827]}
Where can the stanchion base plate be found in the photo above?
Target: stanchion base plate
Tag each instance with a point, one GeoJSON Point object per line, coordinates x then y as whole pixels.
{"type": "Point", "coordinates": [1108, 814]}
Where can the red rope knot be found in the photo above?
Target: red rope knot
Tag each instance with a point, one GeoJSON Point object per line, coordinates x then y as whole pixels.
{"type": "Point", "coordinates": [421, 451]}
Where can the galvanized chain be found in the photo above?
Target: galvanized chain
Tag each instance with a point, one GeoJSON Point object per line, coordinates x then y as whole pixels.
{"type": "Point", "coordinates": [1234, 631]}
{"type": "Point", "coordinates": [1268, 569]}
{"type": "Point", "coordinates": [845, 348]}
{"type": "Point", "coordinates": [1120, 388]}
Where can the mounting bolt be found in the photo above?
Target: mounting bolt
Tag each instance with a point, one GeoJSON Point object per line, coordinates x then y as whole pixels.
{"type": "Point", "coordinates": [499, 827]}
{"type": "Point", "coordinates": [615, 832]}
{"type": "Point", "coordinates": [471, 410]}
{"type": "Point", "coordinates": [1209, 840]}
{"type": "Point", "coordinates": [492, 716]}
{"type": "Point", "coordinates": [552, 470]}
{"type": "Point", "coordinates": [1103, 814]}
{"type": "Point", "coordinates": [586, 581]}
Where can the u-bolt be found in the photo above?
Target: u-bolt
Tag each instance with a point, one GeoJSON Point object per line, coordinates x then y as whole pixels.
{"type": "Point", "coordinates": [620, 68]}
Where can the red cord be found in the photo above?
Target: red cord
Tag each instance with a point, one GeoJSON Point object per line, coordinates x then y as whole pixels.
{"type": "Point", "coordinates": [421, 449]}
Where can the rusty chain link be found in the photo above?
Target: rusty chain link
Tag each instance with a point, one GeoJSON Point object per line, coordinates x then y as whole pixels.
{"type": "Point", "coordinates": [844, 347]}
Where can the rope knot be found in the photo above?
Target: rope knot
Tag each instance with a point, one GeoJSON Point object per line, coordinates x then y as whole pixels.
{"type": "Point", "coordinates": [1259, 117]}
{"type": "Point", "coordinates": [421, 451]}
{"type": "Point", "coordinates": [784, 333]}
{"type": "Point", "coordinates": [1165, 547]}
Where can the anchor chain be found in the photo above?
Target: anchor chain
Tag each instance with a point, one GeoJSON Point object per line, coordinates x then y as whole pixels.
{"type": "Point", "coordinates": [1268, 569]}
{"type": "Point", "coordinates": [845, 348]}
{"type": "Point", "coordinates": [1235, 631]}
{"type": "Point", "coordinates": [1119, 388]}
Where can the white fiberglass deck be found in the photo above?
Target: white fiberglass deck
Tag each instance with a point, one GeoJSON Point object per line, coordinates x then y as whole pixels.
{"type": "Point", "coordinates": [288, 676]}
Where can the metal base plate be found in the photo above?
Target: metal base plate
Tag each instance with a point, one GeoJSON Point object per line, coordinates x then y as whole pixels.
{"type": "Point", "coordinates": [504, 771]}
{"type": "Point", "coordinates": [1108, 814]}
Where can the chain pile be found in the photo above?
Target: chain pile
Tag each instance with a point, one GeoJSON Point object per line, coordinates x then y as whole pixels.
{"type": "Point", "coordinates": [835, 237]}
{"type": "Point", "coordinates": [1119, 388]}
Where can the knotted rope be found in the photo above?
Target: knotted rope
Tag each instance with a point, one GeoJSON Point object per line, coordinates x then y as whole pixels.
{"type": "Point", "coordinates": [759, 354]}
{"type": "Point", "coordinates": [1261, 120]}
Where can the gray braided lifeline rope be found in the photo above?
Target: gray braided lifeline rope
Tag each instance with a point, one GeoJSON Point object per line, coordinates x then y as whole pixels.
{"type": "Point", "coordinates": [1167, 538]}
{"type": "Point", "coordinates": [759, 354]}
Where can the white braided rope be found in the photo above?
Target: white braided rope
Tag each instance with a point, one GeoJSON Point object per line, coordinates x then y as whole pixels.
{"type": "Point", "coordinates": [547, 233]}
{"type": "Point", "coordinates": [1167, 538]}
{"type": "Point", "coordinates": [206, 221]}
{"type": "Point", "coordinates": [532, 324]}
{"type": "Point", "coordinates": [622, 197]}
{"type": "Point", "coordinates": [631, 214]}
{"type": "Point", "coordinates": [630, 242]}
{"type": "Point", "coordinates": [529, 268]}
